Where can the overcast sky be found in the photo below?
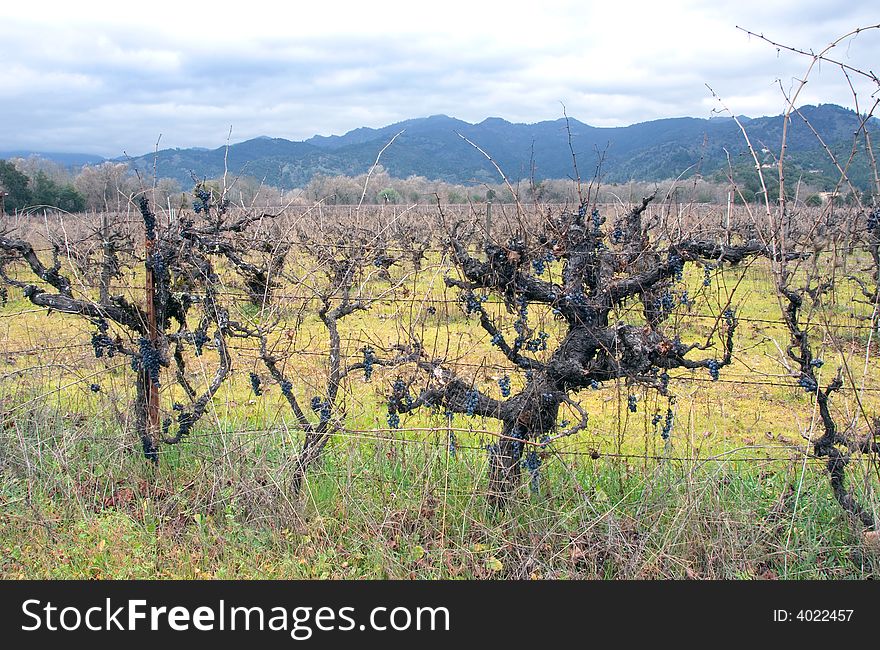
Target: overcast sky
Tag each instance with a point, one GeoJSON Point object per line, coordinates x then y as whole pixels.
{"type": "Point", "coordinates": [111, 77]}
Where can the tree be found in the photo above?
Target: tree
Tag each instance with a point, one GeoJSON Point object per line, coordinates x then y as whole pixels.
{"type": "Point", "coordinates": [389, 195]}
{"type": "Point", "coordinates": [107, 186]}
{"type": "Point", "coordinates": [803, 293]}
{"type": "Point", "coordinates": [600, 279]}
{"type": "Point", "coordinates": [15, 184]}
{"type": "Point", "coordinates": [335, 285]}
{"type": "Point", "coordinates": [185, 314]}
{"type": "Point", "coordinates": [49, 193]}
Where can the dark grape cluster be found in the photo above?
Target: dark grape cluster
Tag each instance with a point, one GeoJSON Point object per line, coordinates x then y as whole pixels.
{"type": "Point", "coordinates": [617, 234]}
{"type": "Point", "coordinates": [496, 338]}
{"type": "Point", "coordinates": [519, 435]}
{"type": "Point", "coordinates": [471, 402]}
{"type": "Point", "coordinates": [150, 361]}
{"type": "Point", "coordinates": [255, 384]}
{"type": "Point", "coordinates": [538, 343]}
{"type": "Point", "coordinates": [321, 407]}
{"type": "Point", "coordinates": [156, 263]}
{"type": "Point", "coordinates": [665, 303]}
{"type": "Point", "coordinates": [714, 367]}
{"type": "Point", "coordinates": [149, 218]}
{"type": "Point", "coordinates": [677, 264]}
{"type": "Point", "coordinates": [729, 317]}
{"type": "Point", "coordinates": [664, 381]}
{"type": "Point", "coordinates": [667, 425]}
{"type": "Point", "coordinates": [203, 199]}
{"type": "Point", "coordinates": [582, 210]}
{"type": "Point", "coordinates": [432, 310]}
{"type": "Point", "coordinates": [400, 394]}
{"type": "Point", "coordinates": [532, 463]}
{"type": "Point", "coordinates": [383, 261]}
{"type": "Point", "coordinates": [817, 363]}
{"type": "Point", "coordinates": [808, 384]}
{"type": "Point", "coordinates": [472, 303]}
{"type": "Point", "coordinates": [685, 299]}
{"type": "Point", "coordinates": [707, 275]}
{"type": "Point", "coordinates": [286, 388]}
{"type": "Point", "coordinates": [521, 324]}
{"type": "Point", "coordinates": [393, 419]}
{"type": "Point", "coordinates": [95, 388]}
{"type": "Point", "coordinates": [504, 385]}
{"type": "Point", "coordinates": [539, 265]}
{"type": "Point", "coordinates": [369, 358]}
{"type": "Point", "coordinates": [631, 402]}
{"type": "Point", "coordinates": [4, 296]}
{"type": "Point", "coordinates": [597, 220]}
{"type": "Point", "coordinates": [452, 443]}
{"type": "Point", "coordinates": [102, 342]}
{"type": "Point", "coordinates": [595, 385]}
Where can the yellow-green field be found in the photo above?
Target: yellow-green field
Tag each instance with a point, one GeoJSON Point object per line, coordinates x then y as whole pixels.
{"type": "Point", "coordinates": [733, 493]}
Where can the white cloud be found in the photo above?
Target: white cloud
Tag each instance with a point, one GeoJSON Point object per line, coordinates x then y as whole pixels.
{"type": "Point", "coordinates": [101, 78]}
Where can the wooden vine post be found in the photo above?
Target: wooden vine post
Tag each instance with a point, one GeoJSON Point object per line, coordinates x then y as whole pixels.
{"type": "Point", "coordinates": [152, 388]}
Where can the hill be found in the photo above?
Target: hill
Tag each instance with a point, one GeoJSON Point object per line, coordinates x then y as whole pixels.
{"type": "Point", "coordinates": [431, 147]}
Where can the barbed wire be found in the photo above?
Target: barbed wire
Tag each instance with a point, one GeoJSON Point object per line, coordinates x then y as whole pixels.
{"type": "Point", "coordinates": [486, 365]}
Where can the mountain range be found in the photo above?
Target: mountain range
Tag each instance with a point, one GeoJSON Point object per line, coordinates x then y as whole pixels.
{"type": "Point", "coordinates": [432, 147]}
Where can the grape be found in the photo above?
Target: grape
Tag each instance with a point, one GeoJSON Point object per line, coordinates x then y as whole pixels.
{"type": "Point", "coordinates": [538, 266]}
{"type": "Point", "coordinates": [714, 367]}
{"type": "Point", "coordinates": [808, 384]}
{"type": "Point", "coordinates": [532, 463]}
{"type": "Point", "coordinates": [321, 407]}
{"type": "Point", "coordinates": [369, 357]}
{"type": "Point", "coordinates": [255, 384]}
{"type": "Point", "coordinates": [667, 425]}
{"type": "Point", "coordinates": [504, 385]}
{"type": "Point", "coordinates": [677, 267]}
{"type": "Point", "coordinates": [471, 402]}
{"type": "Point", "coordinates": [707, 275]}
{"type": "Point", "coordinates": [729, 317]}
{"type": "Point", "coordinates": [538, 343]}
{"type": "Point", "coordinates": [150, 361]}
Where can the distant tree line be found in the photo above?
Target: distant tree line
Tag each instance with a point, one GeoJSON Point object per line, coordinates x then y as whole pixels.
{"type": "Point", "coordinates": [109, 186]}
{"type": "Point", "coordinates": [23, 192]}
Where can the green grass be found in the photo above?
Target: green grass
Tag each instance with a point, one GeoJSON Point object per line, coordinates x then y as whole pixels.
{"type": "Point", "coordinates": [74, 505]}
{"type": "Point", "coordinates": [732, 494]}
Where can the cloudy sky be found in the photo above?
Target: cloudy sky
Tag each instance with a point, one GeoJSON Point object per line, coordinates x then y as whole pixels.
{"type": "Point", "coordinates": [112, 77]}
